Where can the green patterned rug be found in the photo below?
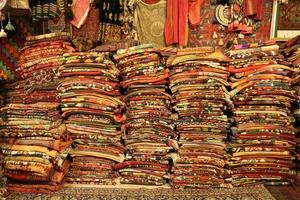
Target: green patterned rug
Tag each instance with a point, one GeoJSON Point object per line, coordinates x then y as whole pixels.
{"type": "Point", "coordinates": [254, 192]}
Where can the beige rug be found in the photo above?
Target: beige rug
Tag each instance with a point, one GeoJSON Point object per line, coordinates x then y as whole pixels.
{"type": "Point", "coordinates": [84, 192]}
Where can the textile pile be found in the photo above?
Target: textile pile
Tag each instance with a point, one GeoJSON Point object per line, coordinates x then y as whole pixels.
{"type": "Point", "coordinates": [91, 105]}
{"type": "Point", "coordinates": [198, 84]}
{"type": "Point", "coordinates": [150, 133]}
{"type": "Point", "coordinates": [262, 132]}
{"type": "Point", "coordinates": [33, 138]}
{"type": "Point", "coordinates": [296, 112]}
{"type": "Point", "coordinates": [291, 51]}
{"type": "Point", "coordinates": [297, 122]}
{"type": "Point", "coordinates": [38, 64]}
{"type": "Point", "coordinates": [15, 92]}
{"type": "Point", "coordinates": [34, 144]}
{"type": "Point", "coordinates": [2, 177]}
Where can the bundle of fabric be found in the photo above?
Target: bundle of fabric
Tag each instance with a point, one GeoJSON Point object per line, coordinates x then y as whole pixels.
{"type": "Point", "coordinates": [296, 112]}
{"type": "Point", "coordinates": [15, 92]}
{"type": "Point", "coordinates": [291, 51]}
{"type": "Point", "coordinates": [262, 134]}
{"type": "Point", "coordinates": [91, 105]}
{"type": "Point", "coordinates": [198, 85]}
{"type": "Point", "coordinates": [38, 64]}
{"type": "Point", "coordinates": [2, 177]}
{"type": "Point", "coordinates": [34, 143]}
{"type": "Point", "coordinates": [149, 125]}
{"type": "Point", "coordinates": [166, 53]}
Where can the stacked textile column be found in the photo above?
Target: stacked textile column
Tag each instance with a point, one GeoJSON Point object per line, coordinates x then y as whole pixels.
{"type": "Point", "coordinates": [262, 134]}
{"type": "Point", "coordinates": [200, 100]}
{"type": "Point", "coordinates": [2, 177]}
{"type": "Point", "coordinates": [11, 93]}
{"type": "Point", "coordinates": [296, 112]}
{"type": "Point", "coordinates": [91, 105]}
{"type": "Point", "coordinates": [291, 51]}
{"type": "Point", "coordinates": [33, 143]}
{"type": "Point", "coordinates": [33, 138]}
{"type": "Point", "coordinates": [149, 126]}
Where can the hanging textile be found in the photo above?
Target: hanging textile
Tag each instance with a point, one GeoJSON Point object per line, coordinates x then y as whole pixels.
{"type": "Point", "coordinates": [176, 27]}
{"type": "Point", "coordinates": [179, 14]}
{"type": "Point", "coordinates": [253, 8]}
{"type": "Point", "coordinates": [127, 18]}
{"type": "Point", "coordinates": [44, 10]}
{"type": "Point", "coordinates": [150, 22]}
{"type": "Point", "coordinates": [110, 24]}
{"type": "Point", "coordinates": [80, 11]}
{"type": "Point", "coordinates": [90, 28]}
{"type": "Point", "coordinates": [194, 12]}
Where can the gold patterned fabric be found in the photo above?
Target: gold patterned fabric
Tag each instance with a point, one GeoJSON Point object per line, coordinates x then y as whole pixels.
{"type": "Point", "coordinates": [109, 32]}
{"type": "Point", "coordinates": [150, 21]}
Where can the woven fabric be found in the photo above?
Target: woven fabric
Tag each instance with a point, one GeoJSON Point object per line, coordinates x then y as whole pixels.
{"type": "Point", "coordinates": [250, 192]}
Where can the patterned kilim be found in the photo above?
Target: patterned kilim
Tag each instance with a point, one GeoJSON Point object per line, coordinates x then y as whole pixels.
{"type": "Point", "coordinates": [202, 34]}
{"type": "Point", "coordinates": [254, 192]}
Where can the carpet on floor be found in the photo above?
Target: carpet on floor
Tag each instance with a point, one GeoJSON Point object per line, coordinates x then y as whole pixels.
{"type": "Point", "coordinates": [253, 192]}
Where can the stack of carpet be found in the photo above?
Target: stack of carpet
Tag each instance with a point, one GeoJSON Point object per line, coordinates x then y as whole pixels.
{"type": "Point", "coordinates": [38, 64]}
{"type": "Point", "coordinates": [291, 51]}
{"type": "Point", "coordinates": [297, 124]}
{"type": "Point", "coordinates": [33, 138]}
{"type": "Point", "coordinates": [34, 143]}
{"type": "Point", "coordinates": [149, 125]}
{"type": "Point", "coordinates": [2, 176]}
{"type": "Point", "coordinates": [262, 133]}
{"type": "Point", "coordinates": [296, 113]}
{"type": "Point", "coordinates": [167, 52]}
{"type": "Point", "coordinates": [198, 84]}
{"type": "Point", "coordinates": [90, 102]}
{"type": "Point", "coordinates": [15, 92]}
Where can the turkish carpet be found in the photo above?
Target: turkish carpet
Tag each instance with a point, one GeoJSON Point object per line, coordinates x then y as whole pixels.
{"type": "Point", "coordinates": [251, 192]}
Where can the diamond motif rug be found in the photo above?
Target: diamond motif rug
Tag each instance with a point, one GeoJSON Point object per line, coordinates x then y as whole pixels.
{"type": "Point", "coordinates": [83, 192]}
